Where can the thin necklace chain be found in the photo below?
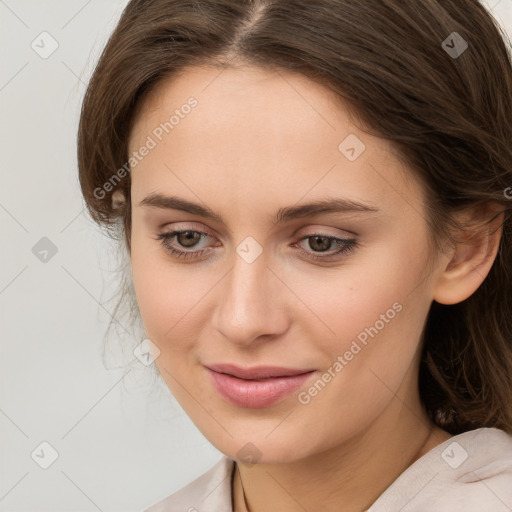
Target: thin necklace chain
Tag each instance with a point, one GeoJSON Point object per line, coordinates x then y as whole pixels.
{"type": "Point", "coordinates": [243, 490]}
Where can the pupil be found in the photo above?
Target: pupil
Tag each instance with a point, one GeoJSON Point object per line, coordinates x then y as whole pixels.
{"type": "Point", "coordinates": [322, 246]}
{"type": "Point", "coordinates": [190, 236]}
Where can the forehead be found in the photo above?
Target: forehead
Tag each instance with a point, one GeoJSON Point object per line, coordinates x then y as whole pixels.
{"type": "Point", "coordinates": [270, 101]}
{"type": "Point", "coordinates": [265, 135]}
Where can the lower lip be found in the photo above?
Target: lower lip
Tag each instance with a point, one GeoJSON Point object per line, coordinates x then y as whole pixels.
{"type": "Point", "coordinates": [255, 394]}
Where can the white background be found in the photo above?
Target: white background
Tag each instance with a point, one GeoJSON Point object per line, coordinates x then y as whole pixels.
{"type": "Point", "coordinates": [123, 443]}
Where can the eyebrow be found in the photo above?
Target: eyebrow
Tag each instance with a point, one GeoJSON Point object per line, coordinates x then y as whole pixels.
{"type": "Point", "coordinates": [329, 205]}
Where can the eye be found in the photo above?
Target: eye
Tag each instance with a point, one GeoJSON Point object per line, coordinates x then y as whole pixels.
{"type": "Point", "coordinates": [321, 243]}
{"type": "Point", "coordinates": [186, 238]}
{"type": "Point", "coordinates": [318, 242]}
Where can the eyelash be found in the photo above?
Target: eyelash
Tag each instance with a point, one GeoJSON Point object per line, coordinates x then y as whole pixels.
{"type": "Point", "coordinates": [347, 245]}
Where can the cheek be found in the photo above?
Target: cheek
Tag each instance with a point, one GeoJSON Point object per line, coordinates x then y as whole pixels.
{"type": "Point", "coordinates": [170, 296]}
{"type": "Point", "coordinates": [156, 292]}
{"type": "Point", "coordinates": [377, 323]}
{"type": "Point", "coordinates": [356, 296]}
{"type": "Point", "coordinates": [375, 311]}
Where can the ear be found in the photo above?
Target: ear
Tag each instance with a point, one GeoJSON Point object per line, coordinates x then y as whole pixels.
{"type": "Point", "coordinates": [465, 266]}
{"type": "Point", "coordinates": [118, 199]}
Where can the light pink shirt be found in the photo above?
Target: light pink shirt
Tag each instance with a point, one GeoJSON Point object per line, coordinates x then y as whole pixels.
{"type": "Point", "coordinates": [471, 472]}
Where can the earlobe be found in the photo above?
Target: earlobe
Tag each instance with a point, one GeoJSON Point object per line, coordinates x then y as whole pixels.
{"type": "Point", "coordinates": [469, 264]}
{"type": "Point", "coordinates": [118, 199]}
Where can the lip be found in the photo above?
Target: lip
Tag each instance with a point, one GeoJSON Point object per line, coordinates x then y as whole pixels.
{"type": "Point", "coordinates": [268, 386]}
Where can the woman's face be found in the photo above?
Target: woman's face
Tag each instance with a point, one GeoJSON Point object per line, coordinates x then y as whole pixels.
{"type": "Point", "coordinates": [265, 285]}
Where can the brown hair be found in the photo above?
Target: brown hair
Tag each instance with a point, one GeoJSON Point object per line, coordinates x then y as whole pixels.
{"type": "Point", "coordinates": [448, 114]}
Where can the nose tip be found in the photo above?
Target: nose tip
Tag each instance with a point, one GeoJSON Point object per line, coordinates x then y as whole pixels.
{"type": "Point", "coordinates": [249, 306]}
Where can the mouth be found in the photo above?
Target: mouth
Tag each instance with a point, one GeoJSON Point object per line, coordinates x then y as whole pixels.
{"type": "Point", "coordinates": [258, 387]}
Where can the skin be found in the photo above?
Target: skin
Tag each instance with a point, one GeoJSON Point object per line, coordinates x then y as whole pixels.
{"type": "Point", "coordinates": [258, 141]}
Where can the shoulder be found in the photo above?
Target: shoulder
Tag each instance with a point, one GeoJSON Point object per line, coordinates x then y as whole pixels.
{"type": "Point", "coordinates": [470, 472]}
{"type": "Point", "coordinates": [210, 492]}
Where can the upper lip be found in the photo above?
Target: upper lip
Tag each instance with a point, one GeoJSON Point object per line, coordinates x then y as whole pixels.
{"type": "Point", "coordinates": [256, 372]}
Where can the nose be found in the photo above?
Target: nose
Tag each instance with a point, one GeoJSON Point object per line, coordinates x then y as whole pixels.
{"type": "Point", "coordinates": [252, 303]}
